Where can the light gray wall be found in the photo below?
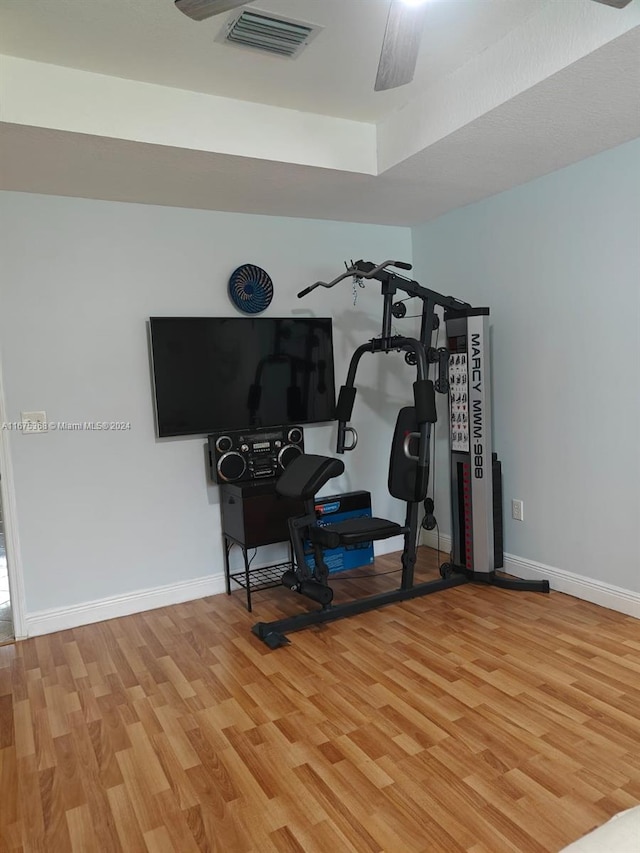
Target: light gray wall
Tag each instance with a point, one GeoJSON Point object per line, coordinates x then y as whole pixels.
{"type": "Point", "coordinates": [105, 513]}
{"type": "Point", "coordinates": [558, 262]}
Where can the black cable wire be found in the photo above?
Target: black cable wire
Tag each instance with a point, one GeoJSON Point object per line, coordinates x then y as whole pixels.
{"type": "Point", "coordinates": [369, 575]}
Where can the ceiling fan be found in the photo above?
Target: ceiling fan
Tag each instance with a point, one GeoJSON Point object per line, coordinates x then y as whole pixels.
{"type": "Point", "coordinates": [400, 44]}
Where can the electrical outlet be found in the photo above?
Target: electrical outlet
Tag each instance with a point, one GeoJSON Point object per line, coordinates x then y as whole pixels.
{"type": "Point", "coordinates": [34, 421]}
{"type": "Point", "coordinates": [517, 510]}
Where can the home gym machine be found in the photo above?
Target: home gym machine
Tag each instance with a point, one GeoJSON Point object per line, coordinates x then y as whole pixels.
{"type": "Point", "coordinates": [462, 372]}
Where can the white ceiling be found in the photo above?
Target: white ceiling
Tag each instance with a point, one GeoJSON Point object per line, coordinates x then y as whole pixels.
{"type": "Point", "coordinates": [151, 41]}
{"type": "Point", "coordinates": [505, 91]}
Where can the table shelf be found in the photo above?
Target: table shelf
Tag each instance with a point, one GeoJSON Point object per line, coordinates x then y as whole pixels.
{"type": "Point", "coordinates": [254, 515]}
{"type": "Point", "coordinates": [253, 580]}
{"type": "Point", "coordinates": [265, 577]}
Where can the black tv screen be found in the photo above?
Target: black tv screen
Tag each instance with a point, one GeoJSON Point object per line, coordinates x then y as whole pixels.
{"type": "Point", "coordinates": [213, 374]}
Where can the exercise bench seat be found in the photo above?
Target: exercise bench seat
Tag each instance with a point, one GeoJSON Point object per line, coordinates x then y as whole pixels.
{"type": "Point", "coordinates": [354, 531]}
{"type": "Point", "coordinates": [304, 478]}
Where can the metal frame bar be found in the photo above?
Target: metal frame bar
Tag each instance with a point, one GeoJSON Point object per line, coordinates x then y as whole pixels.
{"type": "Point", "coordinates": [272, 633]}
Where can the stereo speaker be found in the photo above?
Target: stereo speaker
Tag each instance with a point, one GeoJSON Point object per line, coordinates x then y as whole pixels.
{"type": "Point", "coordinates": [242, 455]}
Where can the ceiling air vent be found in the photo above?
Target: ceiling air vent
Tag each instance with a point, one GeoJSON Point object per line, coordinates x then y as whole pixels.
{"type": "Point", "coordinates": [261, 31]}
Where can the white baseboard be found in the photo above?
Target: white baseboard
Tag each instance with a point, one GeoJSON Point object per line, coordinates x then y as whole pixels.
{"type": "Point", "coordinates": [433, 539]}
{"type": "Point", "coordinates": [388, 546]}
{"type": "Point", "coordinates": [588, 589]}
{"type": "Point", "coordinates": [62, 618]}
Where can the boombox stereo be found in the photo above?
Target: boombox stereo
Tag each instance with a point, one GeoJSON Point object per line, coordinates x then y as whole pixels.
{"type": "Point", "coordinates": [253, 454]}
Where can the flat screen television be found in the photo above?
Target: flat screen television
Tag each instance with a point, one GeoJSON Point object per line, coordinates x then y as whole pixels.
{"type": "Point", "coordinates": [213, 374]}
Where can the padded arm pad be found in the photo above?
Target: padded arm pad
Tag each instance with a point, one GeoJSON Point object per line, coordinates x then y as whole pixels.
{"type": "Point", "coordinates": [346, 398]}
{"type": "Point", "coordinates": [307, 474]}
{"type": "Point", "coordinates": [425, 398]}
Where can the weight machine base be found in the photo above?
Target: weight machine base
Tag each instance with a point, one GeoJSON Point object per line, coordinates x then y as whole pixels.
{"type": "Point", "coordinates": [515, 583]}
{"type": "Point", "coordinates": [273, 633]}
{"type": "Point", "coordinates": [448, 570]}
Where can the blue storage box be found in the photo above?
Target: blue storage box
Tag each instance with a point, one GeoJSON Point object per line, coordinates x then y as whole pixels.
{"type": "Point", "coordinates": [335, 508]}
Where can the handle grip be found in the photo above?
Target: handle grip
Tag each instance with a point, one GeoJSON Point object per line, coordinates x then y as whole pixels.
{"type": "Point", "coordinates": [354, 438]}
{"type": "Point", "coordinates": [342, 433]}
{"type": "Point", "coordinates": [361, 269]}
{"type": "Point", "coordinates": [405, 446]}
{"type": "Point", "coordinates": [307, 290]}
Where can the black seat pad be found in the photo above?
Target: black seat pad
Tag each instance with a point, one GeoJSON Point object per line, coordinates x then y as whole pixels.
{"type": "Point", "coordinates": [352, 531]}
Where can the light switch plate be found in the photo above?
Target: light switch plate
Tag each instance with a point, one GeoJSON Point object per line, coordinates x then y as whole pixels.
{"type": "Point", "coordinates": [34, 422]}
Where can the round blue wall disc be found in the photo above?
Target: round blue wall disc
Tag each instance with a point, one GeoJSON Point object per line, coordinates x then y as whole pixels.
{"type": "Point", "coordinates": [250, 289]}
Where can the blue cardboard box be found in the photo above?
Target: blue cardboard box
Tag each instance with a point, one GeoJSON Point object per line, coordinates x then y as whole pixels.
{"type": "Point", "coordinates": [332, 509]}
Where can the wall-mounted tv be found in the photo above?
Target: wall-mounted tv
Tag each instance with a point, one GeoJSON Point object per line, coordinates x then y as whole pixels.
{"type": "Point", "coordinates": [213, 374]}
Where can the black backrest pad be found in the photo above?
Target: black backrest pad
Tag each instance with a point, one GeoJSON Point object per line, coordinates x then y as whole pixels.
{"type": "Point", "coordinates": [306, 475]}
{"type": "Point", "coordinates": [402, 471]}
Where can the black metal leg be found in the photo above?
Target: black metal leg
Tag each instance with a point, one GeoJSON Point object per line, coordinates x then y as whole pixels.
{"type": "Point", "coordinates": [492, 579]}
{"type": "Point", "coordinates": [227, 570]}
{"type": "Point", "coordinates": [247, 578]}
{"type": "Point", "coordinates": [409, 552]}
{"type": "Point", "coordinates": [517, 583]}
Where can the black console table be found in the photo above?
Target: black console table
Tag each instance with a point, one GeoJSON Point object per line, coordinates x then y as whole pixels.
{"type": "Point", "coordinates": [254, 515]}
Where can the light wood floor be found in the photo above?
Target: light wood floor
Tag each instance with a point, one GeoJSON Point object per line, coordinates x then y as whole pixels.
{"type": "Point", "coordinates": [474, 719]}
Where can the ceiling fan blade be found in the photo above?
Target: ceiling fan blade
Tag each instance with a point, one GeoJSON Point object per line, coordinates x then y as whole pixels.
{"type": "Point", "coordinates": [617, 4]}
{"type": "Point", "coordinates": [400, 45]}
{"type": "Point", "coordinates": [198, 10]}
